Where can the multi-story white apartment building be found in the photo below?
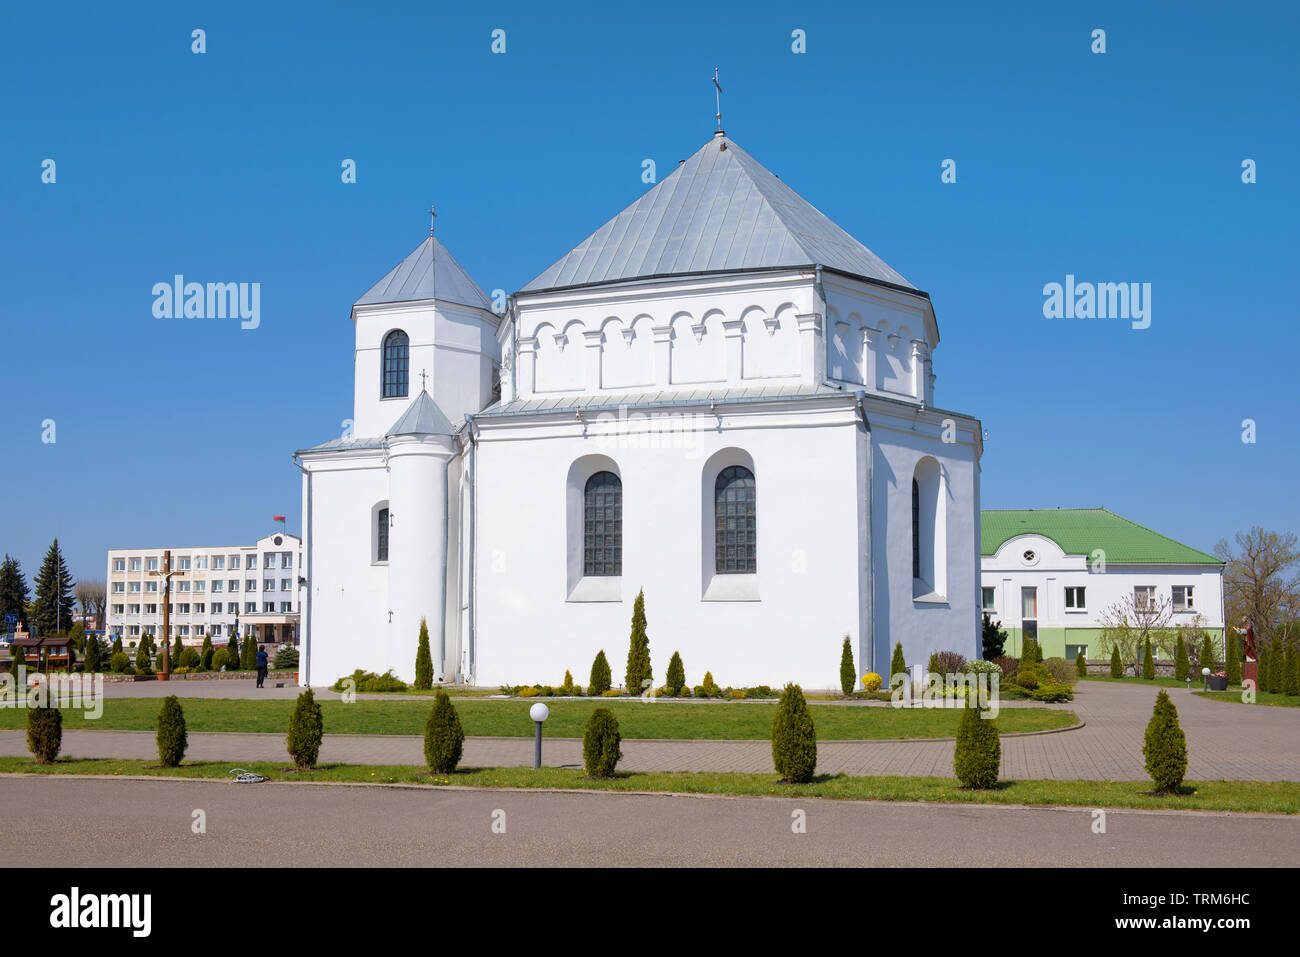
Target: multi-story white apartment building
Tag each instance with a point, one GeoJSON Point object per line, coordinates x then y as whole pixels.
{"type": "Point", "coordinates": [222, 591]}
{"type": "Point", "coordinates": [1059, 574]}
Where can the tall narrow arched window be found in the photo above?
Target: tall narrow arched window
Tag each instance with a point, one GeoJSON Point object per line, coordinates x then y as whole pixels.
{"type": "Point", "coordinates": [397, 349]}
{"type": "Point", "coordinates": [735, 522]}
{"type": "Point", "coordinates": [381, 535]}
{"type": "Point", "coordinates": [602, 526]}
{"type": "Point", "coordinates": [916, 530]}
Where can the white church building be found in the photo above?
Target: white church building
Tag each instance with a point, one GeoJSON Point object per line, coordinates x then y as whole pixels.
{"type": "Point", "coordinates": [719, 398]}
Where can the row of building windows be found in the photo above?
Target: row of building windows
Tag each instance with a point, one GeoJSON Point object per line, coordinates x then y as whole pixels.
{"type": "Point", "coordinates": [1182, 598]}
{"type": "Point", "coordinates": [204, 608]}
{"type": "Point", "coordinates": [183, 587]}
{"type": "Point", "coordinates": [202, 562]}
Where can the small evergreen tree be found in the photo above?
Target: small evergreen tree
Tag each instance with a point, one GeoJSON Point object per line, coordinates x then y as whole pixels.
{"type": "Point", "coordinates": [1233, 653]}
{"type": "Point", "coordinates": [19, 659]}
{"type": "Point", "coordinates": [1165, 746]}
{"type": "Point", "coordinates": [993, 637]}
{"type": "Point", "coordinates": [143, 662]}
{"type": "Point", "coordinates": [423, 660]}
{"type": "Point", "coordinates": [1182, 665]}
{"type": "Point", "coordinates": [119, 663]}
{"type": "Point", "coordinates": [232, 652]}
{"type": "Point", "coordinates": [1277, 667]}
{"type": "Point", "coordinates": [1148, 661]}
{"type": "Point", "coordinates": [932, 667]}
{"type": "Point", "coordinates": [444, 739]}
{"type": "Point", "coordinates": [306, 729]}
{"type": "Point", "coordinates": [117, 645]}
{"type": "Point", "coordinates": [848, 673]}
{"type": "Point", "coordinates": [1081, 664]}
{"type": "Point", "coordinates": [897, 664]}
{"type": "Point", "coordinates": [94, 659]}
{"type": "Point", "coordinates": [177, 649]}
{"type": "Point", "coordinates": [977, 753]}
{"type": "Point", "coordinates": [1292, 686]}
{"type": "Point", "coordinates": [601, 679]}
{"type": "Point", "coordinates": [676, 679]}
{"type": "Point", "coordinates": [1116, 664]}
{"type": "Point", "coordinates": [14, 593]}
{"type": "Point", "coordinates": [248, 657]}
{"type": "Point", "coordinates": [53, 604]}
{"type": "Point", "coordinates": [600, 744]}
{"type": "Point", "coordinates": [171, 737]}
{"type": "Point", "coordinates": [638, 653]}
{"type": "Point", "coordinates": [1207, 653]}
{"type": "Point", "coordinates": [44, 733]}
{"type": "Point", "coordinates": [794, 738]}
{"type": "Point", "coordinates": [1031, 652]}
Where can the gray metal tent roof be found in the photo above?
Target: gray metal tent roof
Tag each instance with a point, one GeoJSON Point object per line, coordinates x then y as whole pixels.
{"type": "Point", "coordinates": [422, 417]}
{"type": "Point", "coordinates": [720, 211]}
{"type": "Point", "coordinates": [427, 273]}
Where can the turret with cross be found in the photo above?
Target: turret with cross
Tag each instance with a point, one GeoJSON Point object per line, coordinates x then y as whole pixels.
{"type": "Point", "coordinates": [167, 574]}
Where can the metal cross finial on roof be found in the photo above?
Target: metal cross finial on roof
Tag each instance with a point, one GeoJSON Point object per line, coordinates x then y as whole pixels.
{"type": "Point", "coordinates": [423, 375]}
{"type": "Point", "coordinates": [433, 217]}
{"type": "Point", "coordinates": [718, 95]}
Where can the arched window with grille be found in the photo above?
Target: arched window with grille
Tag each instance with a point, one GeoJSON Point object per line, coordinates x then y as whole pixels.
{"type": "Point", "coordinates": [397, 358]}
{"type": "Point", "coordinates": [735, 522]}
{"type": "Point", "coordinates": [602, 526]}
{"type": "Point", "coordinates": [916, 529]}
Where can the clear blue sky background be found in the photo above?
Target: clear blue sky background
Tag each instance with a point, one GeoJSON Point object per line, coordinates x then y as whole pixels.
{"type": "Point", "coordinates": [226, 166]}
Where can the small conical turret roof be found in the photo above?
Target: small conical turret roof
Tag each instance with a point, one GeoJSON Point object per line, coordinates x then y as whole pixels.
{"type": "Point", "coordinates": [429, 272]}
{"type": "Point", "coordinates": [422, 417]}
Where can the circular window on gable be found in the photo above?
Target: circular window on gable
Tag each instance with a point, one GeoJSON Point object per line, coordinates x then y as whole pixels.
{"type": "Point", "coordinates": [1029, 555]}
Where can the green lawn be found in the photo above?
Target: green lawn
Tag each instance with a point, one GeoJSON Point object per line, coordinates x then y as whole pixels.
{"type": "Point", "coordinates": [1261, 697]}
{"type": "Point", "coordinates": [1268, 796]}
{"type": "Point", "coordinates": [637, 719]}
{"type": "Point", "coordinates": [1197, 682]}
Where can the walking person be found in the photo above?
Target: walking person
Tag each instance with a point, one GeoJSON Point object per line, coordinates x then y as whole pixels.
{"type": "Point", "coordinates": [261, 666]}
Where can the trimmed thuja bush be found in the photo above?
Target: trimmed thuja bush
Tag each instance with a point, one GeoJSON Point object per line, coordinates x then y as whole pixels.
{"type": "Point", "coordinates": [1207, 653]}
{"type": "Point", "coordinates": [978, 750]}
{"type": "Point", "coordinates": [639, 675]}
{"type": "Point", "coordinates": [1081, 665]}
{"type": "Point", "coordinates": [1165, 747]}
{"type": "Point", "coordinates": [794, 738]}
{"type": "Point", "coordinates": [1292, 686]}
{"type": "Point", "coordinates": [1182, 664]}
{"type": "Point", "coordinates": [172, 739]}
{"type": "Point", "coordinates": [248, 657]}
{"type": "Point", "coordinates": [600, 675]}
{"type": "Point", "coordinates": [848, 673]}
{"type": "Point", "coordinates": [44, 733]}
{"type": "Point", "coordinates": [1032, 652]}
{"type": "Point", "coordinates": [1116, 663]}
{"type": "Point", "coordinates": [119, 663]}
{"type": "Point", "coordinates": [94, 661]}
{"type": "Point", "coordinates": [423, 660]}
{"type": "Point", "coordinates": [1148, 661]}
{"type": "Point", "coordinates": [676, 679]}
{"type": "Point", "coordinates": [444, 739]}
{"type": "Point", "coordinates": [306, 729]}
{"type": "Point", "coordinates": [232, 653]}
{"type": "Point", "coordinates": [897, 664]}
{"type": "Point", "coordinates": [600, 744]}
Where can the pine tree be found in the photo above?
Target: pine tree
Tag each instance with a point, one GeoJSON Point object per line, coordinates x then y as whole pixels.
{"type": "Point", "coordinates": [53, 605]}
{"type": "Point", "coordinates": [1116, 664]}
{"type": "Point", "coordinates": [1233, 665]}
{"type": "Point", "coordinates": [1207, 653]}
{"type": "Point", "coordinates": [601, 679]}
{"type": "Point", "coordinates": [676, 679]}
{"type": "Point", "coordinates": [171, 737]}
{"type": "Point", "coordinates": [993, 638]}
{"type": "Point", "coordinates": [1182, 665]}
{"type": "Point", "coordinates": [14, 593]}
{"type": "Point", "coordinates": [444, 739]}
{"type": "Point", "coordinates": [848, 674]}
{"type": "Point", "coordinates": [897, 664]}
{"type": "Point", "coordinates": [1148, 661]}
{"type": "Point", "coordinates": [639, 675]}
{"type": "Point", "coordinates": [794, 738]}
{"type": "Point", "coordinates": [1165, 746]}
{"type": "Point", "coordinates": [424, 661]}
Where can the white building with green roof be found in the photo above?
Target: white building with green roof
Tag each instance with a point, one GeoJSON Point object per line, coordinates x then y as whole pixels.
{"type": "Point", "coordinates": [1054, 572]}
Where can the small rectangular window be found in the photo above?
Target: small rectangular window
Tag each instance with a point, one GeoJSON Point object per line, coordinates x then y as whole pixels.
{"type": "Point", "coordinates": [1074, 598]}
{"type": "Point", "coordinates": [1144, 597]}
{"type": "Point", "coordinates": [1183, 598]}
{"type": "Point", "coordinates": [988, 596]}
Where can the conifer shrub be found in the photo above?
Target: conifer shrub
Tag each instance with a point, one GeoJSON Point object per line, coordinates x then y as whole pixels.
{"type": "Point", "coordinates": [248, 656]}
{"type": "Point", "coordinates": [794, 738]}
{"type": "Point", "coordinates": [1292, 686]}
{"type": "Point", "coordinates": [220, 659]}
{"type": "Point", "coordinates": [600, 744]}
{"type": "Point", "coordinates": [286, 658]}
{"type": "Point", "coordinates": [1277, 668]}
{"type": "Point", "coordinates": [1182, 664]}
{"type": "Point", "coordinates": [119, 664]}
{"type": "Point", "coordinates": [188, 658]}
{"type": "Point", "coordinates": [897, 664]}
{"type": "Point", "coordinates": [117, 644]}
{"type": "Point", "coordinates": [1081, 665]}
{"type": "Point", "coordinates": [1116, 663]}
{"type": "Point", "coordinates": [848, 673]}
{"type": "Point", "coordinates": [639, 674]}
{"type": "Point", "coordinates": [1233, 653]}
{"type": "Point", "coordinates": [423, 660]}
{"type": "Point", "coordinates": [932, 666]}
{"type": "Point", "coordinates": [444, 739]}
{"type": "Point", "coordinates": [94, 656]}
{"type": "Point", "coordinates": [143, 660]}
{"type": "Point", "coordinates": [17, 660]}
{"type": "Point", "coordinates": [566, 688]}
{"type": "Point", "coordinates": [44, 733]}
{"type": "Point", "coordinates": [1032, 652]}
{"type": "Point", "coordinates": [601, 679]}
{"type": "Point", "coordinates": [1165, 746]}
{"type": "Point", "coordinates": [205, 659]}
{"type": "Point", "coordinates": [676, 678]}
{"type": "Point", "coordinates": [708, 688]}
{"type": "Point", "coordinates": [977, 753]}
{"type": "Point", "coordinates": [1207, 653]}
{"type": "Point", "coordinates": [1148, 661]}
{"type": "Point", "coordinates": [171, 737]}
{"type": "Point", "coordinates": [306, 729]}
{"type": "Point", "coordinates": [1261, 667]}
{"type": "Point", "coordinates": [203, 652]}
{"type": "Point", "coordinates": [232, 653]}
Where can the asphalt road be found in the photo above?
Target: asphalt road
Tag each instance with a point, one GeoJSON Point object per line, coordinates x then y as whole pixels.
{"type": "Point", "coordinates": [149, 823]}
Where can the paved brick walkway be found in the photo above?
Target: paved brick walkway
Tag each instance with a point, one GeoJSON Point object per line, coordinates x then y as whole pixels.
{"type": "Point", "coordinates": [1225, 740]}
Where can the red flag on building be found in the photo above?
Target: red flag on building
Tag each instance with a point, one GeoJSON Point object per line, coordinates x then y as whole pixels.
{"type": "Point", "coordinates": [277, 518]}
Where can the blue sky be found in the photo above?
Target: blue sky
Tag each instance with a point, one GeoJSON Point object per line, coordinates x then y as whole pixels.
{"type": "Point", "coordinates": [225, 166]}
